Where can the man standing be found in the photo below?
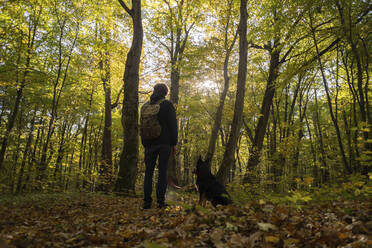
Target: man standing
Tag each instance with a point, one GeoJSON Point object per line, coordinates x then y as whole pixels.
{"type": "Point", "coordinates": [159, 133]}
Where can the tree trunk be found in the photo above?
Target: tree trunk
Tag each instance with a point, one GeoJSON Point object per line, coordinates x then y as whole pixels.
{"type": "Point", "coordinates": [12, 117]}
{"type": "Point", "coordinates": [302, 112]}
{"type": "Point", "coordinates": [13, 175]}
{"type": "Point", "coordinates": [218, 117]}
{"type": "Point", "coordinates": [56, 97]}
{"type": "Point", "coordinates": [313, 152]}
{"type": "Point", "coordinates": [129, 156]}
{"type": "Point", "coordinates": [84, 141]}
{"type": "Point", "coordinates": [105, 172]}
{"type": "Point", "coordinates": [254, 157]}
{"type": "Point", "coordinates": [3, 107]}
{"type": "Point", "coordinates": [334, 120]}
{"type": "Point", "coordinates": [228, 157]}
{"type": "Point", "coordinates": [319, 134]}
{"type": "Point", "coordinates": [60, 153]}
{"type": "Point", "coordinates": [25, 154]}
{"type": "Point", "coordinates": [362, 91]}
{"type": "Point", "coordinates": [186, 153]}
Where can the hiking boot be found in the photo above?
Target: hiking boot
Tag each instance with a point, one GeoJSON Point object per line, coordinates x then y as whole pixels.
{"type": "Point", "coordinates": [146, 205]}
{"type": "Point", "coordinates": [162, 205]}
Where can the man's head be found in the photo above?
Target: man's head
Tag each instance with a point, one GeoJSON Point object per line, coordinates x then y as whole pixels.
{"type": "Point", "coordinates": [160, 90]}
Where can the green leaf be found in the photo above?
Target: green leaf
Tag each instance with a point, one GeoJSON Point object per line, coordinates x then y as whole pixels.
{"type": "Point", "coordinates": [153, 245]}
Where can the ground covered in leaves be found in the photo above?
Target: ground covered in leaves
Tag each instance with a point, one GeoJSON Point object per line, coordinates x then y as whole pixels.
{"type": "Point", "coordinates": [93, 220]}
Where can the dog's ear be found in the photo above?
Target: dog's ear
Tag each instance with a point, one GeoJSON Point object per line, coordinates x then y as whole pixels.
{"type": "Point", "coordinates": [208, 161]}
{"type": "Point", "coordinates": [200, 160]}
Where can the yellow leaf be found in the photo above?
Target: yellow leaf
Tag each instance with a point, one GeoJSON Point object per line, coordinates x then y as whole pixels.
{"type": "Point", "coordinates": [290, 242]}
{"type": "Point", "coordinates": [266, 226]}
{"type": "Point", "coordinates": [343, 236]}
{"type": "Point", "coordinates": [272, 239]}
{"type": "Point", "coordinates": [308, 180]}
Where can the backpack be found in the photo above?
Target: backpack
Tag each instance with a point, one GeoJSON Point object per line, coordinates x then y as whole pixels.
{"type": "Point", "coordinates": [149, 124]}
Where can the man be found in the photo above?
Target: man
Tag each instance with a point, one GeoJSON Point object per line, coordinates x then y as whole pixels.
{"type": "Point", "coordinates": [159, 147]}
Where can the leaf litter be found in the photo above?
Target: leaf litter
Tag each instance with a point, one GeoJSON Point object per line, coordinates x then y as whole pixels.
{"type": "Point", "coordinates": [95, 220]}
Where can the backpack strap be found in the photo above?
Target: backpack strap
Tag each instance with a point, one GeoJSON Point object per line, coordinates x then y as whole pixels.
{"type": "Point", "coordinates": [160, 101]}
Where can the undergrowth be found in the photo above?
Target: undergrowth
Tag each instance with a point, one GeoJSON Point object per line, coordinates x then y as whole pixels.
{"type": "Point", "coordinates": [355, 187]}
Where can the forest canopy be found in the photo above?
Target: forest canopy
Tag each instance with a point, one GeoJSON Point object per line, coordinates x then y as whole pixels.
{"type": "Point", "coordinates": [283, 106]}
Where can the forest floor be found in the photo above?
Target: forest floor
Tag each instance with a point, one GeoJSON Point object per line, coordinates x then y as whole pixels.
{"type": "Point", "coordinates": [95, 220]}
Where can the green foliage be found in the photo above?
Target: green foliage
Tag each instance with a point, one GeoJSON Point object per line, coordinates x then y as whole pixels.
{"type": "Point", "coordinates": [351, 188]}
{"type": "Point", "coordinates": [300, 149]}
{"type": "Point", "coordinates": [241, 194]}
{"type": "Point", "coordinates": [148, 244]}
{"type": "Point", "coordinates": [354, 187]}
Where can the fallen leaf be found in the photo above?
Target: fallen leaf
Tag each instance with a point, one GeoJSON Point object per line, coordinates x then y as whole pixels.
{"type": "Point", "coordinates": [266, 226]}
{"type": "Point", "coordinates": [272, 239]}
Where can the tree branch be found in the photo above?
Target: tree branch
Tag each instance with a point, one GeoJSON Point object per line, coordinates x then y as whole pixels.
{"type": "Point", "coordinates": [116, 103]}
{"type": "Point", "coordinates": [234, 40]}
{"type": "Point", "coordinates": [291, 48]}
{"type": "Point", "coordinates": [265, 47]}
{"type": "Point", "coordinates": [321, 53]}
{"type": "Point", "coordinates": [187, 31]}
{"type": "Point", "coordinates": [129, 11]}
{"type": "Point", "coordinates": [162, 43]}
{"type": "Point", "coordinates": [248, 130]}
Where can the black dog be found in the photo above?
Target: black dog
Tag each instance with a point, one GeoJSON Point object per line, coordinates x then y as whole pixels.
{"type": "Point", "coordinates": [209, 188]}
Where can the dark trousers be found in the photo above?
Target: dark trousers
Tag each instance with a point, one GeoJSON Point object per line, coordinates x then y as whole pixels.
{"type": "Point", "coordinates": [151, 155]}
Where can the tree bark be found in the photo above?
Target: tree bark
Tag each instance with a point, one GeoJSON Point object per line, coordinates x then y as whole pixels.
{"type": "Point", "coordinates": [186, 153]}
{"type": "Point", "coordinates": [13, 174]}
{"type": "Point", "coordinates": [319, 134]}
{"type": "Point", "coordinates": [25, 154]}
{"type": "Point", "coordinates": [229, 154]}
{"type": "Point", "coordinates": [260, 129]}
{"type": "Point", "coordinates": [129, 157]}
{"type": "Point", "coordinates": [60, 153]}
{"type": "Point", "coordinates": [106, 162]}
{"type": "Point", "coordinates": [83, 142]}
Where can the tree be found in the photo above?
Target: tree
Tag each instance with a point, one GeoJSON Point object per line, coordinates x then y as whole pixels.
{"type": "Point", "coordinates": [229, 155]}
{"type": "Point", "coordinates": [179, 19]}
{"type": "Point", "coordinates": [228, 47]}
{"type": "Point", "coordinates": [129, 156]}
{"type": "Point", "coordinates": [280, 41]}
{"type": "Point", "coordinates": [64, 56]}
{"type": "Point", "coordinates": [32, 29]}
{"type": "Point", "coordinates": [325, 83]}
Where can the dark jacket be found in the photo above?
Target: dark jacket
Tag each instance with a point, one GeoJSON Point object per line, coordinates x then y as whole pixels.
{"type": "Point", "coordinates": [168, 123]}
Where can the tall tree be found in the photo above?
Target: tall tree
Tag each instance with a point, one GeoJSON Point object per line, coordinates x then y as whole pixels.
{"type": "Point", "coordinates": [63, 67]}
{"type": "Point", "coordinates": [179, 18]}
{"type": "Point", "coordinates": [353, 17]}
{"type": "Point", "coordinates": [32, 28]}
{"type": "Point", "coordinates": [229, 155]}
{"type": "Point", "coordinates": [280, 40]}
{"type": "Point", "coordinates": [228, 47]}
{"type": "Point", "coordinates": [331, 111]}
{"type": "Point", "coordinates": [129, 156]}
{"type": "Point", "coordinates": [105, 72]}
